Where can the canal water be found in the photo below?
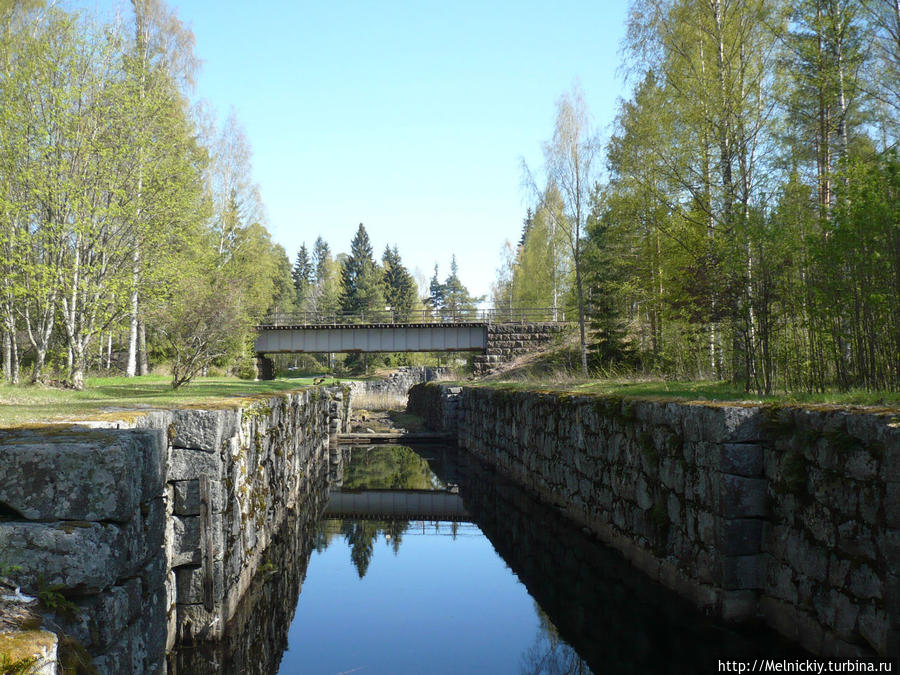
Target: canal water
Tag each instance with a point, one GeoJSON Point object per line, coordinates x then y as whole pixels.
{"type": "Point", "coordinates": [426, 561]}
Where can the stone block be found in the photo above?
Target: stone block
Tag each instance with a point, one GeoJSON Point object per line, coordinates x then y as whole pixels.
{"type": "Point", "coordinates": [780, 581]}
{"type": "Point", "coordinates": [187, 539]}
{"type": "Point", "coordinates": [854, 540]}
{"type": "Point", "coordinates": [742, 459]}
{"type": "Point", "coordinates": [706, 528]}
{"type": "Point", "coordinates": [75, 555]}
{"type": "Point", "coordinates": [104, 616]}
{"type": "Point", "coordinates": [671, 474]}
{"type": "Point", "coordinates": [874, 627]}
{"type": "Point", "coordinates": [151, 630]}
{"type": "Point", "coordinates": [865, 583]}
{"type": "Point", "coordinates": [189, 584]}
{"type": "Point", "coordinates": [186, 542]}
{"type": "Point", "coordinates": [890, 466]}
{"type": "Point", "coordinates": [643, 495]}
{"type": "Point", "coordinates": [892, 599]}
{"type": "Point", "coordinates": [740, 536]}
{"type": "Point", "coordinates": [731, 424]}
{"type": "Point", "coordinates": [743, 572]}
{"type": "Point", "coordinates": [860, 465]}
{"type": "Point", "coordinates": [189, 464]}
{"type": "Point", "coordinates": [203, 429]}
{"type": "Point", "coordinates": [102, 474]}
{"type": "Point", "coordinates": [743, 497]}
{"type": "Point", "coordinates": [892, 504]}
{"type": "Point", "coordinates": [187, 497]}
{"type": "Point", "coordinates": [197, 624]}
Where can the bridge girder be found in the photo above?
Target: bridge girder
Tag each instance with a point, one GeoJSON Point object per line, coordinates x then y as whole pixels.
{"type": "Point", "coordinates": [425, 337]}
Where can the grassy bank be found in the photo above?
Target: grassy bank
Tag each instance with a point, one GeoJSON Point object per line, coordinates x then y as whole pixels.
{"type": "Point", "coordinates": [35, 404]}
{"type": "Point", "coordinates": [691, 391]}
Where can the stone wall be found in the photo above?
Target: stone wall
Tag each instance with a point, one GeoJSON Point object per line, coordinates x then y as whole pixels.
{"type": "Point", "coordinates": [788, 515]}
{"type": "Point", "coordinates": [398, 382]}
{"type": "Point", "coordinates": [832, 540]}
{"type": "Point", "coordinates": [85, 519]}
{"type": "Point", "coordinates": [437, 405]}
{"type": "Point", "coordinates": [597, 602]}
{"type": "Point", "coordinates": [152, 534]}
{"type": "Point", "coordinates": [506, 341]}
{"type": "Point", "coordinates": [257, 634]}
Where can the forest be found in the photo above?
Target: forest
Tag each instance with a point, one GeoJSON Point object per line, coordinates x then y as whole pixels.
{"type": "Point", "coordinates": [131, 229]}
{"type": "Point", "coordinates": [742, 220]}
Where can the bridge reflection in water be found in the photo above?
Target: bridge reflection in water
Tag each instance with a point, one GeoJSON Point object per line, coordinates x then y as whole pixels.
{"type": "Point", "coordinates": [396, 505]}
{"type": "Point", "coordinates": [594, 612]}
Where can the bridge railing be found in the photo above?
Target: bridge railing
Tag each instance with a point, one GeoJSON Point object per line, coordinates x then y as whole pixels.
{"type": "Point", "coordinates": [501, 315]}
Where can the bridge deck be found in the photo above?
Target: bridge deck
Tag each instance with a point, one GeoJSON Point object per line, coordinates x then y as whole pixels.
{"type": "Point", "coordinates": [376, 337]}
{"type": "Point", "coordinates": [396, 505]}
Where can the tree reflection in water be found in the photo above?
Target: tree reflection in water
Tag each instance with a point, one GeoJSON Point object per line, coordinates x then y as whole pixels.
{"type": "Point", "coordinates": [385, 467]}
{"type": "Point", "coordinates": [550, 654]}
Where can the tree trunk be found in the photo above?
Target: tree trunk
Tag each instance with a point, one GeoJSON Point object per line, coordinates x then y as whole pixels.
{"type": "Point", "coordinates": [13, 362]}
{"type": "Point", "coordinates": [580, 292]}
{"type": "Point", "coordinates": [143, 359]}
{"type": "Point", "coordinates": [77, 376]}
{"type": "Point", "coordinates": [131, 367]}
{"type": "Point", "coordinates": [7, 357]}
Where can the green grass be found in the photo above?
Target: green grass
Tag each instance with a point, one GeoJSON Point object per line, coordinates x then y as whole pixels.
{"type": "Point", "coordinates": [693, 391]}
{"type": "Point", "coordinates": [35, 404]}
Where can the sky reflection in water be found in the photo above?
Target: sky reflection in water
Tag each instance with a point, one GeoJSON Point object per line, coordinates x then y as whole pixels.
{"type": "Point", "coordinates": [441, 604]}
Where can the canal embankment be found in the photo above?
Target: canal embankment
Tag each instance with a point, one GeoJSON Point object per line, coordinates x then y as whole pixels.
{"type": "Point", "coordinates": [787, 515]}
{"type": "Point", "coordinates": [146, 531]}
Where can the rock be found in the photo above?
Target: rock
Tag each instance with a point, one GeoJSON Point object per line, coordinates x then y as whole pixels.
{"type": "Point", "coordinates": [74, 554]}
{"type": "Point", "coordinates": [102, 474]}
{"type": "Point", "coordinates": [33, 644]}
{"type": "Point", "coordinates": [203, 429]}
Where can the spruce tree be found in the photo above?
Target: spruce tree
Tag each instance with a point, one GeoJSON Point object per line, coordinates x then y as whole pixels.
{"type": "Point", "coordinates": [435, 299]}
{"type": "Point", "coordinates": [321, 258]}
{"type": "Point", "coordinates": [456, 297]}
{"type": "Point", "coordinates": [399, 285]}
{"type": "Point", "coordinates": [362, 288]}
{"type": "Point", "coordinates": [302, 274]}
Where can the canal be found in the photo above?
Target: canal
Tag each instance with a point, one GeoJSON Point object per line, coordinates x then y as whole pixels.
{"type": "Point", "coordinates": [425, 561]}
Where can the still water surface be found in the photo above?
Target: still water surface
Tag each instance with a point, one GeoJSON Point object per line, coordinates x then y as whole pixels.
{"type": "Point", "coordinates": [510, 588]}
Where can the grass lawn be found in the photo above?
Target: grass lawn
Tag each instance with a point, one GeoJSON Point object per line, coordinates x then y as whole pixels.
{"type": "Point", "coordinates": [695, 391]}
{"type": "Point", "coordinates": [35, 404]}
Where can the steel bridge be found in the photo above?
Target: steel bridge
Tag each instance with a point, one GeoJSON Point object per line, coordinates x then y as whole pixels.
{"type": "Point", "coordinates": [387, 331]}
{"type": "Point", "coordinates": [396, 505]}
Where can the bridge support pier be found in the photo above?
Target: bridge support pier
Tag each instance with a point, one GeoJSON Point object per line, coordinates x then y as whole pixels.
{"type": "Point", "coordinates": [507, 341]}
{"type": "Point", "coordinates": [265, 367]}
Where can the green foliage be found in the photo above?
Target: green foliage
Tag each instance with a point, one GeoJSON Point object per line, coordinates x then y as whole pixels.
{"type": "Point", "coordinates": [362, 288]}
{"type": "Point", "coordinates": [541, 271]}
{"type": "Point", "coordinates": [302, 274]}
{"type": "Point", "coordinates": [450, 298]}
{"type": "Point", "coordinates": [747, 228]}
{"type": "Point", "coordinates": [52, 599]}
{"type": "Point", "coordinates": [400, 290]}
{"type": "Point", "coordinates": [23, 666]}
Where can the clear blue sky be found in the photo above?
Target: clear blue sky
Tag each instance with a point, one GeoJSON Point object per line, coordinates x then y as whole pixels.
{"type": "Point", "coordinates": [410, 117]}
